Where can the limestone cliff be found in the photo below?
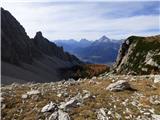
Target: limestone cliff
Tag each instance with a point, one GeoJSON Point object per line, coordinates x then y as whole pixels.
{"type": "Point", "coordinates": [139, 55]}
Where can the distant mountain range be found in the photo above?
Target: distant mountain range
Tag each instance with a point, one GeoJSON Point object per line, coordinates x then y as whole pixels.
{"type": "Point", "coordinates": [103, 50]}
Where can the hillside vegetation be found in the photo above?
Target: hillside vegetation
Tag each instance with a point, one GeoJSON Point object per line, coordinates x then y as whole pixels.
{"type": "Point", "coordinates": [139, 55]}
{"type": "Point", "coordinates": [85, 71]}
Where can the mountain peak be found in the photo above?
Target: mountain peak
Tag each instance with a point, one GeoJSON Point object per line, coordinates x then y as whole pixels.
{"type": "Point", "coordinates": [39, 34]}
{"type": "Point", "coordinates": [104, 39]}
{"type": "Point", "coordinates": [83, 40]}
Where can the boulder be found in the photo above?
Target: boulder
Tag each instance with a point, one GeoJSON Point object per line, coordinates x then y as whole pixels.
{"type": "Point", "coordinates": [51, 107]}
{"type": "Point", "coordinates": [73, 102]}
{"type": "Point", "coordinates": [119, 86]}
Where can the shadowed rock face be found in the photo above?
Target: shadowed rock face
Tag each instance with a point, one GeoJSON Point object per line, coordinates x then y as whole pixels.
{"type": "Point", "coordinates": [139, 55]}
{"type": "Point", "coordinates": [51, 49]}
{"type": "Point", "coordinates": [35, 56]}
{"type": "Point", "coordinates": [16, 45]}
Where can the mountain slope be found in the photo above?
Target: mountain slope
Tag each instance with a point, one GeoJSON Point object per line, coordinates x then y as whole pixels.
{"type": "Point", "coordinates": [139, 55]}
{"type": "Point", "coordinates": [25, 59]}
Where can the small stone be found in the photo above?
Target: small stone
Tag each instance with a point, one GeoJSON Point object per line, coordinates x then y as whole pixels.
{"type": "Point", "coordinates": [3, 106]}
{"type": "Point", "coordinates": [94, 78]}
{"type": "Point", "coordinates": [157, 79]}
{"type": "Point", "coordinates": [33, 92]}
{"type": "Point", "coordinates": [24, 96]}
{"type": "Point", "coordinates": [59, 95]}
{"type": "Point", "coordinates": [109, 112]}
{"type": "Point", "coordinates": [87, 94]}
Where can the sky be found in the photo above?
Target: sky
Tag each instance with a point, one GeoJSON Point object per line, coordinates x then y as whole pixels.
{"type": "Point", "coordinates": [67, 19]}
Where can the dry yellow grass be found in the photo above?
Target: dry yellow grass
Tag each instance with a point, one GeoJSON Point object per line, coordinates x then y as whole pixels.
{"type": "Point", "coordinates": [29, 109]}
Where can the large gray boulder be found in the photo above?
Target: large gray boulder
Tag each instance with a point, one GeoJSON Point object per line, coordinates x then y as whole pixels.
{"type": "Point", "coordinates": [119, 86]}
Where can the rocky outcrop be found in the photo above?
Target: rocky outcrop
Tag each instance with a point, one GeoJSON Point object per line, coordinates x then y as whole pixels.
{"type": "Point", "coordinates": [25, 59]}
{"type": "Point", "coordinates": [139, 55]}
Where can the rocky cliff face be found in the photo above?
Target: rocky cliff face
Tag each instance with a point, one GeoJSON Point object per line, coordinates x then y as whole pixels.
{"type": "Point", "coordinates": [51, 49]}
{"type": "Point", "coordinates": [139, 55]}
{"type": "Point", "coordinates": [35, 59]}
{"type": "Point", "coordinates": [16, 45]}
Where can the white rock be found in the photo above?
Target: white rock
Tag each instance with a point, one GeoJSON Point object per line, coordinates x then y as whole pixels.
{"type": "Point", "coordinates": [63, 115]}
{"type": "Point", "coordinates": [119, 86]}
{"type": "Point", "coordinates": [59, 95]}
{"type": "Point", "coordinates": [69, 104]}
{"type": "Point", "coordinates": [157, 79]}
{"type": "Point", "coordinates": [155, 117]}
{"type": "Point", "coordinates": [3, 106]}
{"type": "Point", "coordinates": [152, 63]}
{"type": "Point", "coordinates": [109, 112]}
{"type": "Point", "coordinates": [1, 99]}
{"type": "Point", "coordinates": [118, 116]}
{"type": "Point", "coordinates": [94, 78]}
{"type": "Point", "coordinates": [24, 96]}
{"type": "Point", "coordinates": [59, 115]}
{"type": "Point", "coordinates": [101, 114]}
{"type": "Point", "coordinates": [54, 116]}
{"type": "Point", "coordinates": [33, 92]}
{"type": "Point", "coordinates": [51, 107]}
{"type": "Point", "coordinates": [127, 42]}
{"type": "Point", "coordinates": [145, 69]}
{"type": "Point", "coordinates": [86, 94]}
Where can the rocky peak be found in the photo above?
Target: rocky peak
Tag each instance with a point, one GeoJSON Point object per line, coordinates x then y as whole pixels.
{"type": "Point", "coordinates": [39, 34]}
{"type": "Point", "coordinates": [104, 39]}
{"type": "Point", "coordinates": [16, 46]}
{"type": "Point", "coordinates": [83, 40]}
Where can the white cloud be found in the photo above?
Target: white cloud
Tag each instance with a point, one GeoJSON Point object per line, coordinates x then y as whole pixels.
{"type": "Point", "coordinates": [81, 20]}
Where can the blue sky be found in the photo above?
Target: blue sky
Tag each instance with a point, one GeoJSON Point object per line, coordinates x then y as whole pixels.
{"type": "Point", "coordinates": [65, 19]}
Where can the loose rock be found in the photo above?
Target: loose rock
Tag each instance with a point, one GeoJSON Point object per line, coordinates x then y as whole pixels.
{"type": "Point", "coordinates": [33, 92]}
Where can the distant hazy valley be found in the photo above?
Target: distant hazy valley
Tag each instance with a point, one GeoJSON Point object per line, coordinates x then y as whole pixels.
{"type": "Point", "coordinates": [100, 51]}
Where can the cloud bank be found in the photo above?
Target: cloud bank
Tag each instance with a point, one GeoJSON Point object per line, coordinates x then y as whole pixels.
{"type": "Point", "coordinates": [91, 20]}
